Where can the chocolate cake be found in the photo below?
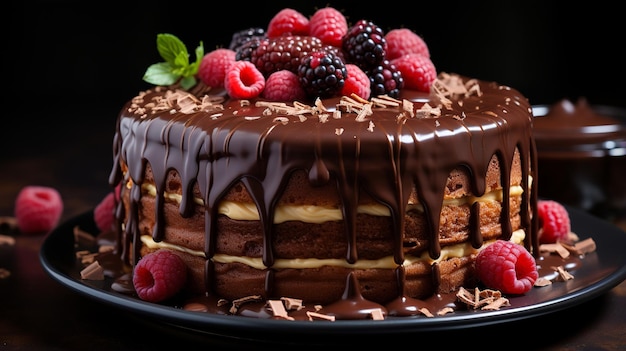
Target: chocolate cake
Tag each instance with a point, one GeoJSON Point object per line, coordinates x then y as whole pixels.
{"type": "Point", "coordinates": [387, 198]}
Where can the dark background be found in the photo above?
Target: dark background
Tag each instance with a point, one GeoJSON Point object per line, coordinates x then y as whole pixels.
{"type": "Point", "coordinates": [73, 64]}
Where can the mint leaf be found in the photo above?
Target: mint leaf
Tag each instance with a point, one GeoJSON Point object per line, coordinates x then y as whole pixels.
{"type": "Point", "coordinates": [172, 49]}
{"type": "Point", "coordinates": [160, 74]}
{"type": "Point", "coordinates": [176, 66]}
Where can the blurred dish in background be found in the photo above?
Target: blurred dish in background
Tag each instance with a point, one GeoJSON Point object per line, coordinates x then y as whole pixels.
{"type": "Point", "coordinates": [582, 156]}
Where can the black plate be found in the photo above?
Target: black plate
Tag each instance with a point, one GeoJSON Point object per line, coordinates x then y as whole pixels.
{"type": "Point", "coordinates": [600, 272]}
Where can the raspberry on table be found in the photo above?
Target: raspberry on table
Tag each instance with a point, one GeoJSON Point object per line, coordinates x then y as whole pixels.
{"type": "Point", "coordinates": [159, 275]}
{"type": "Point", "coordinates": [328, 24]}
{"type": "Point", "coordinates": [403, 41]}
{"type": "Point", "coordinates": [213, 67]}
{"type": "Point", "coordinates": [283, 85]}
{"type": "Point", "coordinates": [243, 80]}
{"type": "Point", "coordinates": [288, 22]}
{"type": "Point", "coordinates": [418, 71]}
{"type": "Point", "coordinates": [38, 209]}
{"type": "Point", "coordinates": [554, 221]}
{"type": "Point", "coordinates": [506, 266]}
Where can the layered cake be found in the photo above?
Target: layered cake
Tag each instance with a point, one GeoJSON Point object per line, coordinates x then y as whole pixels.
{"type": "Point", "coordinates": [388, 197]}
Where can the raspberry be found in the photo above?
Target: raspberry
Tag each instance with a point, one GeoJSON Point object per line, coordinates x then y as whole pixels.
{"type": "Point", "coordinates": [329, 25]}
{"type": "Point", "coordinates": [364, 45]}
{"type": "Point", "coordinates": [244, 81]}
{"type": "Point", "coordinates": [283, 85]}
{"type": "Point", "coordinates": [418, 71]}
{"type": "Point", "coordinates": [274, 54]}
{"type": "Point", "coordinates": [506, 266]}
{"type": "Point", "coordinates": [385, 79]}
{"type": "Point", "coordinates": [159, 275]}
{"type": "Point", "coordinates": [404, 41]}
{"type": "Point", "coordinates": [322, 74]}
{"type": "Point", "coordinates": [104, 212]}
{"type": "Point", "coordinates": [214, 65]}
{"type": "Point", "coordinates": [288, 22]}
{"type": "Point", "coordinates": [357, 82]}
{"type": "Point", "coordinates": [554, 221]}
{"type": "Point", "coordinates": [38, 209]}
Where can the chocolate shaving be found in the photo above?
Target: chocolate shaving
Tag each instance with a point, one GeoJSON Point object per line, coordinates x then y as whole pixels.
{"type": "Point", "coordinates": [445, 311]}
{"type": "Point", "coordinates": [8, 222]}
{"type": "Point", "coordinates": [563, 274]}
{"type": "Point", "coordinates": [92, 272]}
{"type": "Point", "coordinates": [425, 311]}
{"type": "Point", "coordinates": [555, 248]}
{"type": "Point", "coordinates": [238, 302]}
{"type": "Point", "coordinates": [7, 240]}
{"type": "Point", "coordinates": [377, 314]}
{"type": "Point", "coordinates": [582, 247]}
{"type": "Point", "coordinates": [319, 316]}
{"type": "Point", "coordinates": [541, 282]}
{"type": "Point", "coordinates": [82, 237]}
{"type": "Point", "coordinates": [278, 309]}
{"type": "Point", "coordinates": [291, 303]}
{"type": "Point", "coordinates": [487, 299]}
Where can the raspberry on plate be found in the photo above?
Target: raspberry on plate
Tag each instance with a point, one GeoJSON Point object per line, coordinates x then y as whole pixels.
{"type": "Point", "coordinates": [159, 275]}
{"type": "Point", "coordinates": [38, 209]}
{"type": "Point", "coordinates": [554, 221]}
{"type": "Point", "coordinates": [506, 266]}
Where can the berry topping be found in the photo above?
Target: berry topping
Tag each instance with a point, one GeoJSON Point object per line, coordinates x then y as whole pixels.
{"type": "Point", "coordinates": [159, 275]}
{"type": "Point", "coordinates": [418, 71]}
{"type": "Point", "coordinates": [385, 79]}
{"type": "Point", "coordinates": [364, 45]}
{"type": "Point", "coordinates": [243, 36]}
{"type": "Point", "coordinates": [554, 221]}
{"type": "Point", "coordinates": [506, 266]}
{"type": "Point", "coordinates": [244, 81]}
{"type": "Point", "coordinates": [322, 74]}
{"type": "Point", "coordinates": [357, 82]}
{"type": "Point", "coordinates": [38, 209]}
{"type": "Point", "coordinates": [288, 22]}
{"type": "Point", "coordinates": [275, 54]}
{"type": "Point", "coordinates": [283, 85]}
{"type": "Point", "coordinates": [329, 25]}
{"type": "Point", "coordinates": [214, 65]}
{"type": "Point", "coordinates": [402, 41]}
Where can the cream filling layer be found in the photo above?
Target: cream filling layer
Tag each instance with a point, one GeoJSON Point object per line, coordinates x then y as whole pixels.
{"type": "Point", "coordinates": [458, 250]}
{"type": "Point", "coordinates": [320, 214]}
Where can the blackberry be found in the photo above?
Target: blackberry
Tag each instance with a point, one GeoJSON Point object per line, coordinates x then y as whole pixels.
{"type": "Point", "coordinates": [244, 52]}
{"type": "Point", "coordinates": [241, 37]}
{"type": "Point", "coordinates": [364, 45]}
{"type": "Point", "coordinates": [275, 54]}
{"type": "Point", "coordinates": [322, 74]}
{"type": "Point", "coordinates": [385, 79]}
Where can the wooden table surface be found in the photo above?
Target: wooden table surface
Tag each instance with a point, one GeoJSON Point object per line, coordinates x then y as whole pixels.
{"type": "Point", "coordinates": [39, 313]}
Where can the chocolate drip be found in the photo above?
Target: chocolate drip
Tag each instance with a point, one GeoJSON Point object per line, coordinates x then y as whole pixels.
{"type": "Point", "coordinates": [385, 156]}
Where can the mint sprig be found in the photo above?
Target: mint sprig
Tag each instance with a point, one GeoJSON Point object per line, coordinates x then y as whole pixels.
{"type": "Point", "coordinates": [176, 66]}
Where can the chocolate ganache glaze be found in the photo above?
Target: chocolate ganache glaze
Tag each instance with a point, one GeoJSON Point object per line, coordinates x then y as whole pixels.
{"type": "Point", "coordinates": [385, 148]}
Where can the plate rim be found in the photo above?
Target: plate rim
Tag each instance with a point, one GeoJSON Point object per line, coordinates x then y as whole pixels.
{"type": "Point", "coordinates": [227, 325]}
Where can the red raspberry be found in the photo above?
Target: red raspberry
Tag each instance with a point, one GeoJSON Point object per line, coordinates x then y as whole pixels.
{"type": "Point", "coordinates": [404, 41]}
{"type": "Point", "coordinates": [288, 21]}
{"type": "Point", "coordinates": [243, 80]}
{"type": "Point", "coordinates": [104, 212]}
{"type": "Point", "coordinates": [283, 85]}
{"type": "Point", "coordinates": [357, 82]}
{"type": "Point", "coordinates": [329, 25]}
{"type": "Point", "coordinates": [38, 209]}
{"type": "Point", "coordinates": [506, 266]}
{"type": "Point", "coordinates": [417, 70]}
{"type": "Point", "coordinates": [159, 275]}
{"type": "Point", "coordinates": [554, 221]}
{"type": "Point", "coordinates": [214, 65]}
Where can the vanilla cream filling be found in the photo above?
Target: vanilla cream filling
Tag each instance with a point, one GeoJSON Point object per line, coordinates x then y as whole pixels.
{"type": "Point", "coordinates": [320, 214]}
{"type": "Point", "coordinates": [457, 250]}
